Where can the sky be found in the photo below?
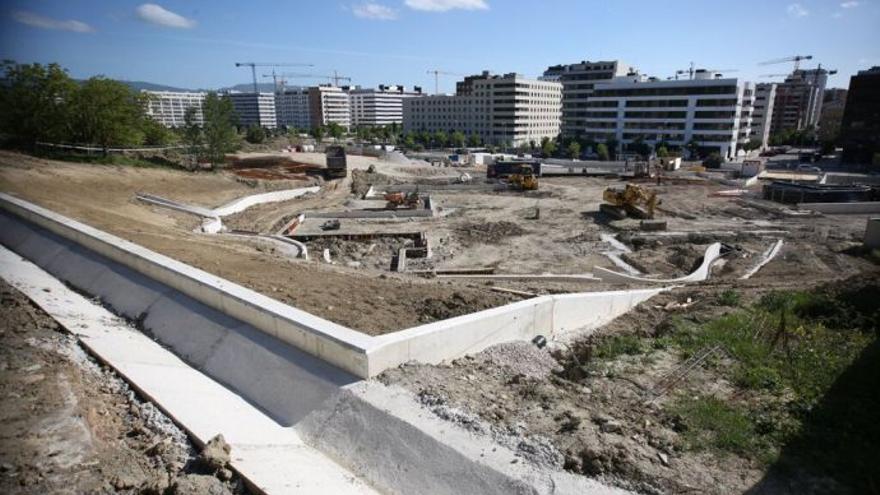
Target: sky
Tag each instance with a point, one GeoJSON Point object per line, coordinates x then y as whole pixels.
{"type": "Point", "coordinates": [193, 44]}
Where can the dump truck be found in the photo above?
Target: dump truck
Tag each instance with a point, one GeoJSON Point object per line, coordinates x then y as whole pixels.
{"type": "Point", "coordinates": [632, 200]}
{"type": "Point", "coordinates": [337, 167]}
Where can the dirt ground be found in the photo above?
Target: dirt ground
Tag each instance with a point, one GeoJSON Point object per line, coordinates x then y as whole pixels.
{"type": "Point", "coordinates": [557, 229]}
{"type": "Point", "coordinates": [69, 425]}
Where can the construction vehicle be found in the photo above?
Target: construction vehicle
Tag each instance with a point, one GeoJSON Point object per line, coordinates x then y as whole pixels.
{"type": "Point", "coordinates": [337, 167]}
{"type": "Point", "coordinates": [523, 178]}
{"type": "Point", "coordinates": [632, 200]}
{"type": "Point", "coordinates": [397, 200]}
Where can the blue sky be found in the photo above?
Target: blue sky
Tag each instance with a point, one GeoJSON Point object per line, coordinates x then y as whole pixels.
{"type": "Point", "coordinates": [194, 44]}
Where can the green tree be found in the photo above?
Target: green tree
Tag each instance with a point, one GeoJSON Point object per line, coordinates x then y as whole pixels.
{"type": "Point", "coordinates": [409, 141]}
{"type": "Point", "coordinates": [714, 160]}
{"type": "Point", "coordinates": [474, 141]}
{"type": "Point", "coordinates": [107, 113]}
{"type": "Point", "coordinates": [457, 139]}
{"type": "Point", "coordinates": [548, 147]}
{"type": "Point", "coordinates": [255, 134]}
{"type": "Point", "coordinates": [318, 133]}
{"type": "Point", "coordinates": [335, 130]}
{"type": "Point", "coordinates": [693, 150]}
{"type": "Point", "coordinates": [602, 152]}
{"type": "Point", "coordinates": [219, 129]}
{"type": "Point", "coordinates": [34, 102]}
{"type": "Point", "coordinates": [574, 150]}
{"type": "Point", "coordinates": [192, 133]}
{"type": "Point", "coordinates": [662, 152]}
{"type": "Point", "coordinates": [440, 139]}
{"type": "Point", "coordinates": [156, 134]}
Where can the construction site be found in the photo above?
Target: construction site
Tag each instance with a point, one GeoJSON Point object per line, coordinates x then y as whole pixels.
{"type": "Point", "coordinates": [389, 324]}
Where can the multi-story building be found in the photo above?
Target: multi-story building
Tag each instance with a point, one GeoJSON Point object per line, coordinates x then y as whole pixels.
{"type": "Point", "coordinates": [382, 106]}
{"type": "Point", "coordinates": [798, 102]}
{"type": "Point", "coordinates": [508, 109]}
{"type": "Point", "coordinates": [292, 109]}
{"type": "Point", "coordinates": [169, 107]}
{"type": "Point", "coordinates": [860, 130]}
{"type": "Point", "coordinates": [329, 104]}
{"type": "Point", "coordinates": [762, 114]}
{"type": "Point", "coordinates": [254, 109]}
{"type": "Point", "coordinates": [714, 113]}
{"type": "Point", "coordinates": [578, 81]}
{"type": "Point", "coordinates": [833, 105]}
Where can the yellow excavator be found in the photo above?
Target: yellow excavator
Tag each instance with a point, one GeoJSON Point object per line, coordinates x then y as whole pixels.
{"type": "Point", "coordinates": [523, 178]}
{"type": "Point", "coordinates": [632, 200]}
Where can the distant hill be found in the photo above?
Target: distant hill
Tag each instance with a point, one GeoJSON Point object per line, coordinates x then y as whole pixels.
{"type": "Point", "coordinates": [139, 85]}
{"type": "Point", "coordinates": [249, 87]}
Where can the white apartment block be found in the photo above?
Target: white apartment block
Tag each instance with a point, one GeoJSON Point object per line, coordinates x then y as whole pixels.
{"type": "Point", "coordinates": [169, 107]}
{"type": "Point", "coordinates": [762, 115]}
{"type": "Point", "coordinates": [383, 106]}
{"type": "Point", "coordinates": [578, 81]}
{"type": "Point", "coordinates": [508, 109]}
{"type": "Point", "coordinates": [254, 109]}
{"type": "Point", "coordinates": [292, 109]}
{"type": "Point", "coordinates": [329, 104]}
{"type": "Point", "coordinates": [715, 113]}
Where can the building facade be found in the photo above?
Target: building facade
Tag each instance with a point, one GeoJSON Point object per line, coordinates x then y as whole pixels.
{"type": "Point", "coordinates": [382, 106]}
{"type": "Point", "coordinates": [329, 104]}
{"type": "Point", "coordinates": [168, 107]}
{"type": "Point", "coordinates": [578, 81]}
{"type": "Point", "coordinates": [798, 103]}
{"type": "Point", "coordinates": [714, 113]}
{"type": "Point", "coordinates": [254, 109]}
{"type": "Point", "coordinates": [292, 109]}
{"type": "Point", "coordinates": [860, 129]}
{"type": "Point", "coordinates": [762, 114]}
{"type": "Point", "coordinates": [508, 109]}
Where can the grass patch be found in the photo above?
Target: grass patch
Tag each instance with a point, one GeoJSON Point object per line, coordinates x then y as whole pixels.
{"type": "Point", "coordinates": [618, 345]}
{"type": "Point", "coordinates": [709, 423]}
{"type": "Point", "coordinates": [729, 297]}
{"type": "Point", "coordinates": [112, 159]}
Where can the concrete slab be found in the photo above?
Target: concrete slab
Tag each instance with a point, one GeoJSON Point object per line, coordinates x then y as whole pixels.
{"type": "Point", "coordinates": [269, 456]}
{"type": "Point", "coordinates": [713, 252]}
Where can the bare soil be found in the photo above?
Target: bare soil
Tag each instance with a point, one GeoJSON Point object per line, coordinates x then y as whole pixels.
{"type": "Point", "coordinates": [70, 425]}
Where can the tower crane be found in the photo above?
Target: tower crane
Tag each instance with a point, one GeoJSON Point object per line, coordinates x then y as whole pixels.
{"type": "Point", "coordinates": [794, 58]}
{"type": "Point", "coordinates": [254, 65]}
{"type": "Point", "coordinates": [282, 77]}
{"type": "Point", "coordinates": [690, 71]}
{"type": "Point", "coordinates": [437, 73]}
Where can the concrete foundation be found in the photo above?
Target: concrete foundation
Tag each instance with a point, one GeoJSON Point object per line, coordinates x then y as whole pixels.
{"type": "Point", "coordinates": [843, 208]}
{"type": "Point", "coordinates": [872, 233]}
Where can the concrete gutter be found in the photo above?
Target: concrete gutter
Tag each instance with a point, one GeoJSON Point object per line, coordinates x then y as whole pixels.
{"type": "Point", "coordinates": [767, 257]}
{"type": "Point", "coordinates": [713, 252]}
{"type": "Point", "coordinates": [268, 456]}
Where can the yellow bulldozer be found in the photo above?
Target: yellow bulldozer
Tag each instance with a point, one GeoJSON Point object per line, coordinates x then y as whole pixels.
{"type": "Point", "coordinates": [523, 178]}
{"type": "Point", "coordinates": [632, 200]}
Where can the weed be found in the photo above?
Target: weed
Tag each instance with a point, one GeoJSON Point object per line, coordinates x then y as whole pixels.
{"type": "Point", "coordinates": [729, 297]}
{"type": "Point", "coordinates": [617, 345]}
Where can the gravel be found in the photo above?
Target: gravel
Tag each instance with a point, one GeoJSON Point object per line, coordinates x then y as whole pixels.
{"type": "Point", "coordinates": [522, 358]}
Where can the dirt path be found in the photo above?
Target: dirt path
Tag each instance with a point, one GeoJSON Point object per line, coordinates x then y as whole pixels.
{"type": "Point", "coordinates": [69, 425]}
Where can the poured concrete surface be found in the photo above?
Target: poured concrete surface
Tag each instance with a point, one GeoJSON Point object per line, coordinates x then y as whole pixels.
{"type": "Point", "coordinates": [269, 456]}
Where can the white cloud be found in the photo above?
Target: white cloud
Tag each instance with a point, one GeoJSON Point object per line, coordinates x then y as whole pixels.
{"type": "Point", "coordinates": [155, 14]}
{"type": "Point", "coordinates": [849, 4]}
{"type": "Point", "coordinates": [374, 11]}
{"type": "Point", "coordinates": [444, 5]}
{"type": "Point", "coordinates": [42, 22]}
{"type": "Point", "coordinates": [797, 10]}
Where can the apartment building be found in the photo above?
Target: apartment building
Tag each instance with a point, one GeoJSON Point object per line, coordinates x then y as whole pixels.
{"type": "Point", "coordinates": [382, 106]}
{"type": "Point", "coordinates": [292, 109]}
{"type": "Point", "coordinates": [860, 130]}
{"type": "Point", "coordinates": [169, 107]}
{"type": "Point", "coordinates": [578, 81]}
{"type": "Point", "coordinates": [500, 109]}
{"type": "Point", "coordinates": [798, 103]}
{"type": "Point", "coordinates": [254, 109]}
{"type": "Point", "coordinates": [715, 113]}
{"type": "Point", "coordinates": [329, 104]}
{"type": "Point", "coordinates": [762, 114]}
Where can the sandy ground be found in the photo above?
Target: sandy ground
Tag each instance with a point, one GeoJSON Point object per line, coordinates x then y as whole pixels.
{"type": "Point", "coordinates": [68, 425]}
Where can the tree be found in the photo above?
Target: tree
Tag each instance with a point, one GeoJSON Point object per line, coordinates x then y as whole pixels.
{"type": "Point", "coordinates": [714, 160]}
{"type": "Point", "coordinates": [440, 139]}
{"type": "Point", "coordinates": [156, 134]}
{"type": "Point", "coordinates": [532, 144]}
{"type": "Point", "coordinates": [662, 152]}
{"type": "Point", "coordinates": [219, 128]}
{"type": "Point", "coordinates": [255, 134]}
{"type": "Point", "coordinates": [474, 141]}
{"type": "Point", "coordinates": [693, 150]}
{"type": "Point", "coordinates": [548, 147]}
{"type": "Point", "coordinates": [602, 152]}
{"type": "Point", "coordinates": [34, 102]}
{"type": "Point", "coordinates": [107, 113]}
{"type": "Point", "coordinates": [335, 130]}
{"type": "Point", "coordinates": [318, 133]}
{"type": "Point", "coordinates": [409, 142]}
{"type": "Point", "coordinates": [192, 133]}
{"type": "Point", "coordinates": [457, 139]}
{"type": "Point", "coordinates": [574, 150]}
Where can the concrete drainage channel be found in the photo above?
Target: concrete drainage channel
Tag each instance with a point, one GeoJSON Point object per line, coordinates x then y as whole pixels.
{"type": "Point", "coordinates": [305, 372]}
